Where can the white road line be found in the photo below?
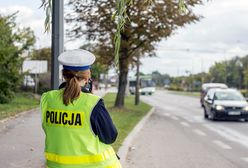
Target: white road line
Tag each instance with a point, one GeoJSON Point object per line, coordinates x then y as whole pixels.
{"type": "Point", "coordinates": [198, 119]}
{"type": "Point", "coordinates": [189, 119]}
{"type": "Point", "coordinates": [199, 132]}
{"type": "Point", "coordinates": [194, 119]}
{"type": "Point", "coordinates": [245, 159]}
{"type": "Point", "coordinates": [222, 144]}
{"type": "Point", "coordinates": [174, 118]}
{"type": "Point", "coordinates": [166, 114]}
{"type": "Point", "coordinates": [229, 134]}
{"type": "Point", "coordinates": [185, 124]}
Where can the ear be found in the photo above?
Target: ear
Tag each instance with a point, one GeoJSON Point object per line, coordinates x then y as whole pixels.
{"type": "Point", "coordinates": [83, 82]}
{"type": "Point", "coordinates": [86, 80]}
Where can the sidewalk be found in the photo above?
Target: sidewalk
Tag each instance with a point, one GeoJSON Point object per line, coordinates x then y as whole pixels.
{"type": "Point", "coordinates": [22, 140]}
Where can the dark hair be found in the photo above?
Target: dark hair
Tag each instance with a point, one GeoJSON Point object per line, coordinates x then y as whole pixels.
{"type": "Point", "coordinates": [72, 88]}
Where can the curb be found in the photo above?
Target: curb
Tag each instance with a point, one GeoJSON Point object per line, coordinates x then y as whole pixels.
{"type": "Point", "coordinates": [19, 114]}
{"type": "Point", "coordinates": [123, 150]}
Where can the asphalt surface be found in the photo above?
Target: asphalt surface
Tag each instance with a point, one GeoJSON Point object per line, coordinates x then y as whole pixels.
{"type": "Point", "coordinates": [177, 136]}
{"type": "Point", "coordinates": [22, 141]}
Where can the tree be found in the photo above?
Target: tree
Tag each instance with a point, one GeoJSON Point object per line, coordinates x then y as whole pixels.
{"type": "Point", "coordinates": [147, 26]}
{"type": "Point", "coordinates": [97, 68]}
{"type": "Point", "coordinates": [230, 72]}
{"type": "Point", "coordinates": [137, 87]}
{"type": "Point", "coordinates": [244, 61]}
{"type": "Point", "coordinates": [160, 79]}
{"type": "Point", "coordinates": [13, 43]}
{"type": "Point", "coordinates": [43, 54]}
{"type": "Point", "coordinates": [218, 72]}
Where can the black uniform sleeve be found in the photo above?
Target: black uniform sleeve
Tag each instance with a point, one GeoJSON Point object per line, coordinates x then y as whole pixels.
{"type": "Point", "coordinates": [102, 124]}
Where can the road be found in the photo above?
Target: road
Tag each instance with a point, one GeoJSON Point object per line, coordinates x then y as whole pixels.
{"type": "Point", "coordinates": [177, 136]}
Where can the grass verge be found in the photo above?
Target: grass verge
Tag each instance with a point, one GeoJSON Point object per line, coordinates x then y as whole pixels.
{"type": "Point", "coordinates": [192, 94]}
{"type": "Point", "coordinates": [125, 119]}
{"type": "Point", "coordinates": [23, 101]}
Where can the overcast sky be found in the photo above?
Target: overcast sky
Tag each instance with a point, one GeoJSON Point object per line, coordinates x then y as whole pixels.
{"type": "Point", "coordinates": [220, 35]}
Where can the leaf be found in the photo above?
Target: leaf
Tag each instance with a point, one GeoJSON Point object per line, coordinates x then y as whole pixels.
{"type": "Point", "coordinates": [121, 15]}
{"type": "Point", "coordinates": [182, 6]}
{"type": "Point", "coordinates": [114, 15]}
{"type": "Point", "coordinates": [47, 5]}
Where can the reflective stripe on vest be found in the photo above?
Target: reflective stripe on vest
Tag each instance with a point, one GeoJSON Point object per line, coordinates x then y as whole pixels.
{"type": "Point", "coordinates": [80, 159]}
{"type": "Point", "coordinates": [115, 165]}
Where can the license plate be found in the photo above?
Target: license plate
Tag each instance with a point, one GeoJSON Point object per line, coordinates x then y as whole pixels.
{"type": "Point", "coordinates": [234, 113]}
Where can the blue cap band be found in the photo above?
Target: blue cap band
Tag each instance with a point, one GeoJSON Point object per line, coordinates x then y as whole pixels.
{"type": "Point", "coordinates": [76, 68]}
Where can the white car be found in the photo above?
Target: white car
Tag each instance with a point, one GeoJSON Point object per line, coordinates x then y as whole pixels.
{"type": "Point", "coordinates": [28, 81]}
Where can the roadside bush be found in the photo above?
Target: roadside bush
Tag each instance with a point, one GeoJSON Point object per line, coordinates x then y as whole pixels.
{"type": "Point", "coordinates": [244, 92]}
{"type": "Point", "coordinates": [6, 95]}
{"type": "Point", "coordinates": [14, 41]}
{"type": "Point", "coordinates": [175, 88]}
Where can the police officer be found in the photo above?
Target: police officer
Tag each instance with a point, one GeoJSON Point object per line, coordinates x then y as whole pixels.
{"type": "Point", "coordinates": [77, 125]}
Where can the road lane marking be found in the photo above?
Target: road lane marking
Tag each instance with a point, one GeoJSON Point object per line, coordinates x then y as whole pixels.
{"type": "Point", "coordinates": [222, 144]}
{"type": "Point", "coordinates": [194, 119]}
{"type": "Point", "coordinates": [245, 159]}
{"type": "Point", "coordinates": [199, 132]}
{"type": "Point", "coordinates": [229, 134]}
{"type": "Point", "coordinates": [175, 118]}
{"type": "Point", "coordinates": [198, 119]}
{"type": "Point", "coordinates": [188, 118]}
{"type": "Point", "coordinates": [166, 114]}
{"type": "Point", "coordinates": [185, 124]}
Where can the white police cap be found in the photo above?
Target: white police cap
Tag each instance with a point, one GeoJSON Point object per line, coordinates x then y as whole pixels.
{"type": "Point", "coordinates": [76, 59]}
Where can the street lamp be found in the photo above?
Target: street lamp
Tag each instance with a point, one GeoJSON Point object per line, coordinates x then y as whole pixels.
{"type": "Point", "coordinates": [240, 66]}
{"type": "Point", "coordinates": [190, 79]}
{"type": "Point", "coordinates": [57, 39]}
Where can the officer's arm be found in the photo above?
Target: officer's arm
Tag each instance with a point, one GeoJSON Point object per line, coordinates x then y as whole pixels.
{"type": "Point", "coordinates": [102, 124]}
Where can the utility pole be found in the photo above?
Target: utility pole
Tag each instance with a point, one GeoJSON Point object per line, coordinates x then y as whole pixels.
{"type": "Point", "coordinates": [57, 39]}
{"type": "Point", "coordinates": [137, 87]}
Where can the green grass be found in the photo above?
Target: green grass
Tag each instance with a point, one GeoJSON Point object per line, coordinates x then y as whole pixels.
{"type": "Point", "coordinates": [22, 102]}
{"type": "Point", "coordinates": [192, 94]}
{"type": "Point", "coordinates": [125, 119]}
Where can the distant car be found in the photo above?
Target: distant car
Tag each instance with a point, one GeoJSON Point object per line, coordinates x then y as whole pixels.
{"type": "Point", "coordinates": [28, 81]}
{"type": "Point", "coordinates": [206, 86]}
{"type": "Point", "coordinates": [166, 86]}
{"type": "Point", "coordinates": [147, 85]}
{"type": "Point", "coordinates": [225, 104]}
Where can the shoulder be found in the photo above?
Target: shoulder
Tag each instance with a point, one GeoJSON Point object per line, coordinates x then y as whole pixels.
{"type": "Point", "coordinates": [89, 98]}
{"type": "Point", "coordinates": [50, 93]}
{"type": "Point", "coordinates": [90, 95]}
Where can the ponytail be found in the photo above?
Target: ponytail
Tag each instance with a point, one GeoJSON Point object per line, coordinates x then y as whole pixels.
{"type": "Point", "coordinates": [72, 89]}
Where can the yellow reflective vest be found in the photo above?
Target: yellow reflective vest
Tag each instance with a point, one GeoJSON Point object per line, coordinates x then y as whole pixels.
{"type": "Point", "coordinates": [70, 141]}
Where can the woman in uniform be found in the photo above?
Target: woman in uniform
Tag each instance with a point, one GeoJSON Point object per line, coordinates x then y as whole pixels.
{"type": "Point", "coordinates": [77, 125]}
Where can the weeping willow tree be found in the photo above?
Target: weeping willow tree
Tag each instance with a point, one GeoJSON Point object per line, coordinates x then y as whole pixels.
{"type": "Point", "coordinates": [125, 29]}
{"type": "Point", "coordinates": [120, 15]}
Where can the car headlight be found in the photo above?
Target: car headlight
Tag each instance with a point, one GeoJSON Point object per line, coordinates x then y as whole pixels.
{"type": "Point", "coordinates": [245, 108]}
{"type": "Point", "coordinates": [218, 107]}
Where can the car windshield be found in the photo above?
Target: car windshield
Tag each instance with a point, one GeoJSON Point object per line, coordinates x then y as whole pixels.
{"type": "Point", "coordinates": [132, 83]}
{"type": "Point", "coordinates": [146, 83]}
{"type": "Point", "coordinates": [228, 95]}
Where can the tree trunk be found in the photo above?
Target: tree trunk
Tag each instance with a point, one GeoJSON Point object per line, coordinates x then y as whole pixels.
{"type": "Point", "coordinates": [119, 101]}
{"type": "Point", "coordinates": [137, 87]}
{"type": "Point", "coordinates": [123, 65]}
